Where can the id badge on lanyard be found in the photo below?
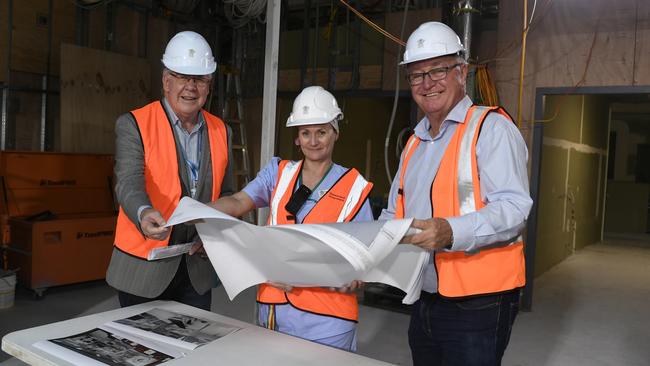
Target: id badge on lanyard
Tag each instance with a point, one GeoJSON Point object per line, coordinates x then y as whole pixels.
{"type": "Point", "coordinates": [194, 177]}
{"type": "Point", "coordinates": [194, 169]}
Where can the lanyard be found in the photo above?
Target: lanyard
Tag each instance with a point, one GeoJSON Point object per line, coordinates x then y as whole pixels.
{"type": "Point", "coordinates": [299, 183]}
{"type": "Point", "coordinates": [319, 182]}
{"type": "Point", "coordinates": [192, 167]}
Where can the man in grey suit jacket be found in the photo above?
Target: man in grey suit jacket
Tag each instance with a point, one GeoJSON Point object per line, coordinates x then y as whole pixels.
{"type": "Point", "coordinates": [151, 178]}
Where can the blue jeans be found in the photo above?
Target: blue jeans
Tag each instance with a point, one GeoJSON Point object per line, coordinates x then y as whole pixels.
{"type": "Point", "coordinates": [471, 331]}
{"type": "Point", "coordinates": [180, 289]}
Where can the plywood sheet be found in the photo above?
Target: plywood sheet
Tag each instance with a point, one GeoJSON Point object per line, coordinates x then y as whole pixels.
{"type": "Point", "coordinates": [158, 34]}
{"type": "Point", "coordinates": [642, 49]}
{"type": "Point", "coordinates": [253, 125]}
{"type": "Point", "coordinates": [63, 31]}
{"type": "Point", "coordinates": [4, 14]}
{"type": "Point", "coordinates": [319, 76]}
{"type": "Point", "coordinates": [29, 42]}
{"type": "Point", "coordinates": [26, 108]}
{"type": "Point", "coordinates": [97, 27]}
{"type": "Point", "coordinates": [289, 80]}
{"type": "Point", "coordinates": [96, 87]}
{"type": "Point", "coordinates": [572, 43]}
{"type": "Point", "coordinates": [126, 33]}
{"type": "Point", "coordinates": [343, 80]}
{"type": "Point", "coordinates": [30, 34]}
{"type": "Point", "coordinates": [370, 76]}
{"type": "Point", "coordinates": [394, 26]}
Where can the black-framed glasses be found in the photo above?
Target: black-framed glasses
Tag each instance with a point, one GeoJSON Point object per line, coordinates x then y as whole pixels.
{"type": "Point", "coordinates": [436, 74]}
{"type": "Point", "coordinates": [201, 81]}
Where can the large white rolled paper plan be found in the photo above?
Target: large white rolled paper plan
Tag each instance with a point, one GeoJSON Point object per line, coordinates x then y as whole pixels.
{"type": "Point", "coordinates": [330, 255]}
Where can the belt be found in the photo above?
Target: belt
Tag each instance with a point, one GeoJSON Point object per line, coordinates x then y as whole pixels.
{"type": "Point", "coordinates": [437, 297]}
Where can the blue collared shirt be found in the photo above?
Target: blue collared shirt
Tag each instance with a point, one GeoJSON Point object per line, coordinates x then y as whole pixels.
{"type": "Point", "coordinates": [261, 189]}
{"type": "Point", "coordinates": [502, 163]}
{"type": "Point", "coordinates": [296, 322]}
{"type": "Point", "coordinates": [190, 142]}
{"type": "Point", "coordinates": [190, 145]}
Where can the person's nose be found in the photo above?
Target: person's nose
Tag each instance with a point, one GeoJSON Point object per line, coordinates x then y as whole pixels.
{"type": "Point", "coordinates": [313, 140]}
{"type": "Point", "coordinates": [191, 84]}
{"type": "Point", "coordinates": [428, 82]}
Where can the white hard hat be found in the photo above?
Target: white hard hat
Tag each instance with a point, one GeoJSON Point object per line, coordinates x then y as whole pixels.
{"type": "Point", "coordinates": [315, 105]}
{"type": "Point", "coordinates": [429, 40]}
{"type": "Point", "coordinates": [188, 53]}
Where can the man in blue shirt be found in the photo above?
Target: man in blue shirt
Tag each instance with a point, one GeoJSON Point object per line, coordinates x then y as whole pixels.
{"type": "Point", "coordinates": [463, 177]}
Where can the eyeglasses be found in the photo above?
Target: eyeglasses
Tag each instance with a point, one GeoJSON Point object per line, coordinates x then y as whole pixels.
{"type": "Point", "coordinates": [436, 74]}
{"type": "Point", "coordinates": [199, 81]}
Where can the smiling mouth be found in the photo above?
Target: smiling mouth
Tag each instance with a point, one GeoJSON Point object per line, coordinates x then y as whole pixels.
{"type": "Point", "coordinates": [432, 94]}
{"type": "Point", "coordinates": [191, 99]}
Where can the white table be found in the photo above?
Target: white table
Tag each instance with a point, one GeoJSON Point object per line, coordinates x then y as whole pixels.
{"type": "Point", "coordinates": [252, 345]}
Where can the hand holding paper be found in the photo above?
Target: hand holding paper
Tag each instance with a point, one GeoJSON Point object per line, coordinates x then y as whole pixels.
{"type": "Point", "coordinates": [306, 255]}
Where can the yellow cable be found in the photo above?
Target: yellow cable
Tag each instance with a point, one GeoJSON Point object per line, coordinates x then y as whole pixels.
{"type": "Point", "coordinates": [486, 88]}
{"type": "Point", "coordinates": [373, 25]}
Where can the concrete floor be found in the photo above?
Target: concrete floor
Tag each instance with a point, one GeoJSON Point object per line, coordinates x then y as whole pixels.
{"type": "Point", "coordinates": [592, 309]}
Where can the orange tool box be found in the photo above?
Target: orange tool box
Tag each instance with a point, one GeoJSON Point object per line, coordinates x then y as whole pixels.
{"type": "Point", "coordinates": [61, 215]}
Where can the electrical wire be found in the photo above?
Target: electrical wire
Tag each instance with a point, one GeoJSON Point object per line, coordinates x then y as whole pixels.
{"type": "Point", "coordinates": [241, 12]}
{"type": "Point", "coordinates": [375, 26]}
{"type": "Point", "coordinates": [524, 35]}
{"type": "Point", "coordinates": [487, 91]}
{"type": "Point", "coordinates": [86, 5]}
{"type": "Point", "coordinates": [396, 97]}
{"type": "Point", "coordinates": [512, 45]}
{"type": "Point", "coordinates": [400, 142]}
{"type": "Point", "coordinates": [532, 13]}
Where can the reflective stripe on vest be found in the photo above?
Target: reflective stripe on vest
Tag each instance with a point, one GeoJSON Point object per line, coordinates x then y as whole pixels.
{"type": "Point", "coordinates": [455, 192]}
{"type": "Point", "coordinates": [287, 177]}
{"type": "Point", "coordinates": [161, 172]}
{"type": "Point", "coordinates": [340, 204]}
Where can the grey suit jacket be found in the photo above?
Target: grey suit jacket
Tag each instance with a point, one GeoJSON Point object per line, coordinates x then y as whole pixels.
{"type": "Point", "coordinates": [137, 276]}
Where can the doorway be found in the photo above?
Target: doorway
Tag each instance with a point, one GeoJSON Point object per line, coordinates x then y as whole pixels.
{"type": "Point", "coordinates": [581, 140]}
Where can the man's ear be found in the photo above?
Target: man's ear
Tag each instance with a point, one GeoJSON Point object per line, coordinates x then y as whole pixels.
{"type": "Point", "coordinates": [165, 81]}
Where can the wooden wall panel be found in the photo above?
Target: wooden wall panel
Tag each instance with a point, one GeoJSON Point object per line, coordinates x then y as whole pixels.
{"type": "Point", "coordinates": [29, 42]}
{"type": "Point", "coordinates": [642, 49]}
{"type": "Point", "coordinates": [26, 113]}
{"type": "Point", "coordinates": [97, 28]}
{"type": "Point", "coordinates": [158, 35]}
{"type": "Point", "coordinates": [63, 31]}
{"type": "Point", "coordinates": [394, 26]}
{"type": "Point", "coordinates": [253, 123]}
{"type": "Point", "coordinates": [96, 87]}
{"type": "Point", "coordinates": [30, 34]}
{"type": "Point", "coordinates": [4, 15]}
{"type": "Point", "coordinates": [572, 43]}
{"type": "Point", "coordinates": [126, 33]}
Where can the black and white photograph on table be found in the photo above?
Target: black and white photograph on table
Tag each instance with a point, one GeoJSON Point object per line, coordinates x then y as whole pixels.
{"type": "Point", "coordinates": [110, 349]}
{"type": "Point", "coordinates": [178, 326]}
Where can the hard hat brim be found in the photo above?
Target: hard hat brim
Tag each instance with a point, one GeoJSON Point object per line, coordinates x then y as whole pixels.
{"type": "Point", "coordinates": [311, 121]}
{"type": "Point", "coordinates": [426, 57]}
{"type": "Point", "coordinates": [191, 70]}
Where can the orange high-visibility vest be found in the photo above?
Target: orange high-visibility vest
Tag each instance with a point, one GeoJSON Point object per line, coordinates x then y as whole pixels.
{"type": "Point", "coordinates": [161, 177]}
{"type": "Point", "coordinates": [340, 204]}
{"type": "Point", "coordinates": [455, 192]}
